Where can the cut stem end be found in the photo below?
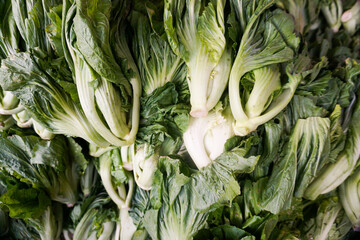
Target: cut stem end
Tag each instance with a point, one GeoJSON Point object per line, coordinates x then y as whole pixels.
{"type": "Point", "coordinates": [199, 113]}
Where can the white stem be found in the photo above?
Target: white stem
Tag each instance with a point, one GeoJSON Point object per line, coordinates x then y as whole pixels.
{"type": "Point", "coordinates": [234, 90]}
{"type": "Point", "coordinates": [194, 141]}
{"type": "Point", "coordinates": [135, 111]}
{"type": "Point", "coordinates": [109, 103]}
{"type": "Point", "coordinates": [87, 100]}
{"type": "Point", "coordinates": [105, 174]}
{"type": "Point", "coordinates": [200, 69]}
{"type": "Point", "coordinates": [219, 79]}
{"type": "Point", "coordinates": [11, 111]}
{"type": "Point", "coordinates": [127, 226]}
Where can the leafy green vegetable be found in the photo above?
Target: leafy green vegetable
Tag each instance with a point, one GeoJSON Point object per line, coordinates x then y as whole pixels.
{"type": "Point", "coordinates": [350, 197]}
{"type": "Point", "coordinates": [298, 163]}
{"type": "Point", "coordinates": [164, 104]}
{"type": "Point", "coordinates": [32, 205]}
{"type": "Point", "coordinates": [176, 186]}
{"type": "Point", "coordinates": [350, 18]}
{"type": "Point", "coordinates": [24, 202]}
{"type": "Point", "coordinates": [334, 173]}
{"type": "Point", "coordinates": [196, 33]}
{"type": "Point", "coordinates": [205, 137]}
{"type": "Point", "coordinates": [53, 166]}
{"type": "Point", "coordinates": [328, 223]}
{"type": "Point", "coordinates": [305, 13]}
{"type": "Point", "coordinates": [244, 218]}
{"type": "Point", "coordinates": [94, 219]}
{"type": "Point", "coordinates": [267, 39]}
{"type": "Point", "coordinates": [164, 146]}
{"type": "Point", "coordinates": [332, 11]}
{"type": "Point", "coordinates": [103, 90]}
{"type": "Point", "coordinates": [48, 104]}
{"type": "Point", "coordinates": [119, 185]}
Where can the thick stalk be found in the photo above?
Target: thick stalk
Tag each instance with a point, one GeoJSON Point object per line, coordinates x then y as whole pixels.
{"type": "Point", "coordinates": [330, 220]}
{"type": "Point", "coordinates": [242, 64]}
{"type": "Point", "coordinates": [105, 174]}
{"type": "Point", "coordinates": [351, 18]}
{"type": "Point", "coordinates": [127, 226]}
{"type": "Point", "coordinates": [244, 127]}
{"type": "Point", "coordinates": [144, 168]}
{"type": "Point", "coordinates": [219, 78]}
{"type": "Point", "coordinates": [234, 95]}
{"type": "Point", "coordinates": [194, 140]}
{"type": "Point", "coordinates": [6, 122]}
{"type": "Point", "coordinates": [108, 228]}
{"type": "Point", "coordinates": [23, 119]}
{"type": "Point", "coordinates": [110, 105]}
{"type": "Point", "coordinates": [135, 111]}
{"type": "Point", "coordinates": [267, 80]}
{"type": "Point", "coordinates": [349, 193]}
{"type": "Point", "coordinates": [42, 131]}
{"type": "Point", "coordinates": [87, 100]}
{"type": "Point", "coordinates": [9, 103]}
{"type": "Point", "coordinates": [16, 110]}
{"type": "Point", "coordinates": [200, 68]}
{"type": "Point", "coordinates": [83, 227]}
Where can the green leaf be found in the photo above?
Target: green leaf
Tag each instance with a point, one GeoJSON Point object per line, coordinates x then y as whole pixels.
{"type": "Point", "coordinates": [24, 202]}
{"type": "Point", "coordinates": [334, 173]}
{"type": "Point", "coordinates": [350, 197]}
{"type": "Point", "coordinates": [277, 45]}
{"type": "Point", "coordinates": [75, 153]}
{"type": "Point", "coordinates": [236, 161]}
{"type": "Point", "coordinates": [321, 224]}
{"type": "Point", "coordinates": [268, 38]}
{"type": "Point", "coordinates": [281, 183]}
{"type": "Point", "coordinates": [140, 204]}
{"type": "Point", "coordinates": [54, 28]}
{"type": "Point", "coordinates": [306, 14]}
{"type": "Point", "coordinates": [211, 30]}
{"type": "Point", "coordinates": [299, 163]}
{"type": "Point", "coordinates": [157, 63]}
{"type": "Point", "coordinates": [10, 36]}
{"type": "Point", "coordinates": [195, 31]}
{"type": "Point", "coordinates": [164, 119]}
{"type": "Point", "coordinates": [31, 22]}
{"type": "Point", "coordinates": [302, 107]}
{"type": "Point", "coordinates": [271, 146]}
{"type": "Point", "coordinates": [116, 169]}
{"type": "Point", "coordinates": [176, 187]}
{"type": "Point", "coordinates": [337, 134]}
{"type": "Point", "coordinates": [94, 215]}
{"type": "Point", "coordinates": [15, 157]}
{"type": "Point", "coordinates": [91, 26]}
{"type": "Point", "coordinates": [313, 150]}
{"type": "Point", "coordinates": [49, 165]}
{"type": "Point", "coordinates": [48, 104]}
{"type": "Point", "coordinates": [228, 232]}
{"type": "Point", "coordinates": [51, 153]}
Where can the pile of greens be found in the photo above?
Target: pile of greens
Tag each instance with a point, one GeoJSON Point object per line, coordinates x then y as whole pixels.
{"type": "Point", "coordinates": [179, 119]}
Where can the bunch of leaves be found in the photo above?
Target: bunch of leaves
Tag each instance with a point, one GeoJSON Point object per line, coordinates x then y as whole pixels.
{"type": "Point", "coordinates": [53, 166]}
{"type": "Point", "coordinates": [31, 211]}
{"type": "Point", "coordinates": [176, 187]}
{"type": "Point", "coordinates": [244, 218]}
